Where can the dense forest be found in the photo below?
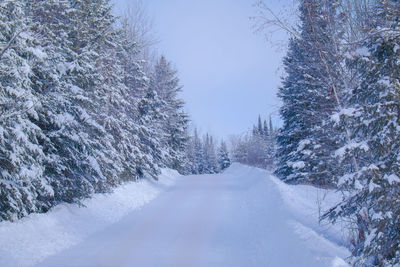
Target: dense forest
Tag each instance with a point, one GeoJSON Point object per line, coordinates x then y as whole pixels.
{"type": "Point", "coordinates": [341, 116]}
{"type": "Point", "coordinates": [204, 156]}
{"type": "Point", "coordinates": [81, 110]}
{"type": "Point", "coordinates": [85, 106]}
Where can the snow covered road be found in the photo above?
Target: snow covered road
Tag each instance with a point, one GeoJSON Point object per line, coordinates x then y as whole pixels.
{"type": "Point", "coordinates": [237, 218]}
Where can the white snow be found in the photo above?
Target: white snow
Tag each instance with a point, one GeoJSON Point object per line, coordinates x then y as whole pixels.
{"type": "Point", "coordinates": [242, 217]}
{"type": "Point", "coordinates": [351, 146]}
{"type": "Point", "coordinates": [95, 165]}
{"type": "Point", "coordinates": [38, 52]}
{"type": "Point", "coordinates": [63, 119]}
{"type": "Point", "coordinates": [32, 239]}
{"type": "Point", "coordinates": [298, 165]}
{"type": "Point", "coordinates": [363, 52]}
{"type": "Point", "coordinates": [347, 112]}
{"type": "Point", "coordinates": [392, 179]}
{"type": "Point", "coordinates": [303, 144]}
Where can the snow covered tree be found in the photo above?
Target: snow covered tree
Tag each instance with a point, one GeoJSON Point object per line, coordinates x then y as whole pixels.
{"type": "Point", "coordinates": [265, 128]}
{"type": "Point", "coordinates": [223, 156]}
{"type": "Point", "coordinates": [137, 113]}
{"type": "Point", "coordinates": [256, 149]}
{"type": "Point", "coordinates": [165, 82]}
{"type": "Point", "coordinates": [202, 157]}
{"type": "Point", "coordinates": [260, 127]}
{"type": "Point", "coordinates": [340, 115]}
{"type": "Point", "coordinates": [210, 157]}
{"type": "Point", "coordinates": [78, 113]}
{"type": "Point", "coordinates": [79, 146]}
{"type": "Point", "coordinates": [191, 166]}
{"type": "Point", "coordinates": [198, 154]}
{"type": "Point", "coordinates": [372, 189]}
{"type": "Point", "coordinates": [23, 188]}
{"type": "Point", "coordinates": [308, 93]}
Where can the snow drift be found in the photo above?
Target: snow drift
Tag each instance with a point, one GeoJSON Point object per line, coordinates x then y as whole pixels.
{"type": "Point", "coordinates": [33, 238]}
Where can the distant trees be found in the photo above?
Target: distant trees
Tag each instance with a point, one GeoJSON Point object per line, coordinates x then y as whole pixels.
{"type": "Point", "coordinates": [224, 160]}
{"type": "Point", "coordinates": [79, 111]}
{"type": "Point", "coordinates": [204, 157]}
{"type": "Point", "coordinates": [341, 117]}
{"type": "Point", "coordinates": [258, 147]}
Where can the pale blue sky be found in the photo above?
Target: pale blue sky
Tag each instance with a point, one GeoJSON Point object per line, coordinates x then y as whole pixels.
{"type": "Point", "coordinates": [229, 74]}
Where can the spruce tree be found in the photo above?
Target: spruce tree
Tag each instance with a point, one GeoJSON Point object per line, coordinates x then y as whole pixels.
{"type": "Point", "coordinates": [260, 127]}
{"type": "Point", "coordinates": [304, 141]}
{"type": "Point", "coordinates": [79, 115]}
{"type": "Point", "coordinates": [210, 158]}
{"type": "Point", "coordinates": [265, 129]}
{"type": "Point", "coordinates": [165, 82]}
{"type": "Point", "coordinates": [23, 187]}
{"type": "Point", "coordinates": [223, 156]}
{"type": "Point", "coordinates": [372, 190]}
{"type": "Point", "coordinates": [199, 154]}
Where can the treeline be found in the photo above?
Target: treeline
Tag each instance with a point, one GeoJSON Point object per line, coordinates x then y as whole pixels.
{"type": "Point", "coordinates": [204, 156]}
{"type": "Point", "coordinates": [80, 111]}
{"type": "Point", "coordinates": [341, 115]}
{"type": "Point", "coordinates": [258, 147]}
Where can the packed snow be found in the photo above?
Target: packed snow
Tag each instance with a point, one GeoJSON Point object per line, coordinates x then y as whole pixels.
{"type": "Point", "coordinates": [242, 217]}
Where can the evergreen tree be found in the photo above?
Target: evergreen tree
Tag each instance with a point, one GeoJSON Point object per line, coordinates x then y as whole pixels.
{"type": "Point", "coordinates": [199, 154]}
{"type": "Point", "coordinates": [76, 109]}
{"type": "Point", "coordinates": [265, 129]}
{"type": "Point", "coordinates": [372, 189]}
{"type": "Point", "coordinates": [304, 141]}
{"type": "Point", "coordinates": [223, 157]}
{"type": "Point", "coordinates": [166, 83]}
{"type": "Point", "coordinates": [78, 113]}
{"type": "Point", "coordinates": [255, 149]}
{"type": "Point", "coordinates": [271, 127]}
{"type": "Point", "coordinates": [260, 127]}
{"type": "Point", "coordinates": [191, 166]}
{"type": "Point", "coordinates": [210, 158]}
{"type": "Point", "coordinates": [202, 157]}
{"type": "Point", "coordinates": [23, 188]}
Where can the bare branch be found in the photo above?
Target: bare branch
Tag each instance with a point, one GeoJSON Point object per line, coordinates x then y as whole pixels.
{"type": "Point", "coordinates": [270, 22]}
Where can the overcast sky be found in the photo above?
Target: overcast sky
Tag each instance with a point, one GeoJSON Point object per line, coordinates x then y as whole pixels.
{"type": "Point", "coordinates": [229, 74]}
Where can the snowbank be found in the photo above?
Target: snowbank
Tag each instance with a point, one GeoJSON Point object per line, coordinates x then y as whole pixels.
{"type": "Point", "coordinates": [305, 204]}
{"type": "Point", "coordinates": [30, 240]}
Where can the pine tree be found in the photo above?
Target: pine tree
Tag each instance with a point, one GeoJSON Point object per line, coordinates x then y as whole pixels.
{"type": "Point", "coordinates": [191, 166]}
{"type": "Point", "coordinates": [23, 188]}
{"type": "Point", "coordinates": [372, 191]}
{"type": "Point", "coordinates": [141, 128]}
{"type": "Point", "coordinates": [256, 150]}
{"type": "Point", "coordinates": [166, 83]}
{"type": "Point", "coordinates": [270, 147]}
{"type": "Point", "coordinates": [260, 127]}
{"type": "Point", "coordinates": [210, 158]}
{"type": "Point", "coordinates": [304, 141]}
{"type": "Point", "coordinates": [199, 154]}
{"type": "Point", "coordinates": [79, 144]}
{"type": "Point", "coordinates": [271, 127]}
{"type": "Point", "coordinates": [223, 156]}
{"type": "Point", "coordinates": [265, 129]}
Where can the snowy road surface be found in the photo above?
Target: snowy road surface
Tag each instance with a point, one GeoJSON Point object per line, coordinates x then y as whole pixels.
{"type": "Point", "coordinates": [232, 219]}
